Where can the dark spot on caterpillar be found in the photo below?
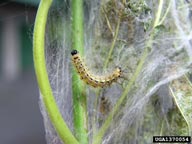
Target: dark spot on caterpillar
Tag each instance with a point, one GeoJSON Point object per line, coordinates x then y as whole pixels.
{"type": "Point", "coordinates": [75, 57]}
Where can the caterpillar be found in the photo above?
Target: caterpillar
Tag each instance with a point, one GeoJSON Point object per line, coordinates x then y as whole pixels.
{"type": "Point", "coordinates": [91, 79]}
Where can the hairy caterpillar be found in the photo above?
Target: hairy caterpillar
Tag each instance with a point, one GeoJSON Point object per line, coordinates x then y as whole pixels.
{"type": "Point", "coordinates": [91, 79]}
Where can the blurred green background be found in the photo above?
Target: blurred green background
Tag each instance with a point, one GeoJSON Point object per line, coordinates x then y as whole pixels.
{"type": "Point", "coordinates": [20, 118]}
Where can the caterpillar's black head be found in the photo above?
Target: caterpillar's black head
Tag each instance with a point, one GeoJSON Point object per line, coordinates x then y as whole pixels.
{"type": "Point", "coordinates": [74, 52]}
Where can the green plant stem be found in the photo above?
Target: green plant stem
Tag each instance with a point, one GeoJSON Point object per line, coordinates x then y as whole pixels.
{"type": "Point", "coordinates": [113, 44]}
{"type": "Point", "coordinates": [163, 18]}
{"type": "Point", "coordinates": [42, 76]}
{"type": "Point", "coordinates": [158, 14]}
{"type": "Point", "coordinates": [78, 87]}
{"type": "Point", "coordinates": [186, 118]}
{"type": "Point", "coordinates": [98, 137]}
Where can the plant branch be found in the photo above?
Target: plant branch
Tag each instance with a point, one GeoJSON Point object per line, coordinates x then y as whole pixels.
{"type": "Point", "coordinates": [98, 137]}
{"type": "Point", "coordinates": [80, 118]}
{"type": "Point", "coordinates": [113, 44]}
{"type": "Point", "coordinates": [42, 76]}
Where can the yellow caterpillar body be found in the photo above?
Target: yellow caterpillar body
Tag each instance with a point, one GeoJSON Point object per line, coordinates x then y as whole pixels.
{"type": "Point", "coordinates": [91, 79]}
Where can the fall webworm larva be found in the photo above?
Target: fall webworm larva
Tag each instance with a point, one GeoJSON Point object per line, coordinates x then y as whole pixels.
{"type": "Point", "coordinates": [91, 79]}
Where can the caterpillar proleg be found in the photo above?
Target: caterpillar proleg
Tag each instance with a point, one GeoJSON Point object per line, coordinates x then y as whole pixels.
{"type": "Point", "coordinates": [91, 79]}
